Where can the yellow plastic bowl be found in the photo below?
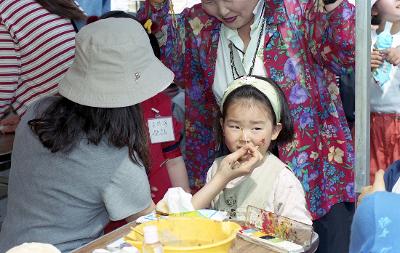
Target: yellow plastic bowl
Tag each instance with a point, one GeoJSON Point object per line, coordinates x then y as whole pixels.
{"type": "Point", "coordinates": [188, 234]}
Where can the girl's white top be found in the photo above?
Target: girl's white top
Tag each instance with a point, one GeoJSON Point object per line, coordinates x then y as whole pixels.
{"type": "Point", "coordinates": [389, 101]}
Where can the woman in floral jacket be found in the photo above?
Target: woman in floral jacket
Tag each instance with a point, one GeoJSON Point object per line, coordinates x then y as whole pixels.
{"type": "Point", "coordinates": [301, 45]}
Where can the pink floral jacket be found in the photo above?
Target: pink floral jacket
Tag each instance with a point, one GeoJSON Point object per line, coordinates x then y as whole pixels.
{"type": "Point", "coordinates": [304, 49]}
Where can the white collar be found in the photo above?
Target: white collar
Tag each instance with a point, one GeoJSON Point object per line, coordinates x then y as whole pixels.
{"type": "Point", "coordinates": [258, 13]}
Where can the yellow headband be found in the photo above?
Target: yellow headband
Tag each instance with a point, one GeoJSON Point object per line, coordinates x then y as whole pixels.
{"type": "Point", "coordinates": [265, 87]}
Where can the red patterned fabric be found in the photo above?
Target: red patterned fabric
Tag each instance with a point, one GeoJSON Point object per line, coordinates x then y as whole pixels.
{"type": "Point", "coordinates": [304, 49]}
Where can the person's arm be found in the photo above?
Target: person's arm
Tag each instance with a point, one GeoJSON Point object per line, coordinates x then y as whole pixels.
{"type": "Point", "coordinates": [170, 34]}
{"type": "Point", "coordinates": [141, 213]}
{"type": "Point", "coordinates": [378, 185]}
{"type": "Point", "coordinates": [332, 37]}
{"type": "Point", "coordinates": [127, 194]}
{"type": "Point", "coordinates": [10, 66]}
{"type": "Point", "coordinates": [289, 198]}
{"type": "Point", "coordinates": [178, 174]}
{"type": "Point", "coordinates": [231, 167]}
{"type": "Point", "coordinates": [332, 6]}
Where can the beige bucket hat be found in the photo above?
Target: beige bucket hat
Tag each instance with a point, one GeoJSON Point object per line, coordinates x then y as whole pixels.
{"type": "Point", "coordinates": [114, 66]}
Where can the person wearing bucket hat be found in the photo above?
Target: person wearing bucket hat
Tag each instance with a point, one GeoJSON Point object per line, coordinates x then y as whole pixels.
{"type": "Point", "coordinates": [167, 167]}
{"type": "Point", "coordinates": [80, 159]}
{"type": "Point", "coordinates": [384, 87]}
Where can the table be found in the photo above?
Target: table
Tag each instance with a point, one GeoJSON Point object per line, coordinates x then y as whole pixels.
{"type": "Point", "coordinates": [239, 246]}
{"type": "Point", "coordinates": [6, 145]}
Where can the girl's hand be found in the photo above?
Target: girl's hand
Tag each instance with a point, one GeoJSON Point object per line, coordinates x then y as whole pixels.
{"type": "Point", "coordinates": [393, 56]}
{"type": "Point", "coordinates": [376, 59]}
{"type": "Point", "coordinates": [241, 162]}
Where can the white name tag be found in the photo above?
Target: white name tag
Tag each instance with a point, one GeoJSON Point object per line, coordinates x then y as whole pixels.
{"type": "Point", "coordinates": [161, 129]}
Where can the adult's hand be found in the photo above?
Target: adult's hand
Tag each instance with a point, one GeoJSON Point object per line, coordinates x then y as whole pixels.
{"type": "Point", "coordinates": [379, 185]}
{"type": "Point", "coordinates": [9, 124]}
{"type": "Point", "coordinates": [331, 5]}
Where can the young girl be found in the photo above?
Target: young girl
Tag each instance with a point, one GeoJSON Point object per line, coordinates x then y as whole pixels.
{"type": "Point", "coordinates": [385, 97]}
{"type": "Point", "coordinates": [255, 116]}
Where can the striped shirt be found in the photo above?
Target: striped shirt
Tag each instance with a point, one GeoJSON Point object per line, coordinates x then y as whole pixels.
{"type": "Point", "coordinates": [36, 49]}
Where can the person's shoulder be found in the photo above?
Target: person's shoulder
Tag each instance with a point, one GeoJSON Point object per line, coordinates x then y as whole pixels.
{"type": "Point", "coordinates": [40, 105]}
{"type": "Point", "coordinates": [45, 102]}
{"type": "Point", "coordinates": [286, 173]}
{"type": "Point", "coordinates": [198, 18]}
{"type": "Point", "coordinates": [275, 161]}
{"type": "Point", "coordinates": [160, 102]}
{"type": "Point", "coordinates": [23, 6]}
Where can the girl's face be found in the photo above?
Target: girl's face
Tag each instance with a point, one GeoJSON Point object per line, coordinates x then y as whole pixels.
{"type": "Point", "coordinates": [248, 121]}
{"type": "Point", "coordinates": [388, 9]}
{"type": "Point", "coordinates": [235, 14]}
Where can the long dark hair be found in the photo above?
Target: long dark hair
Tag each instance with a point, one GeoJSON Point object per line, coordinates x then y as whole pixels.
{"type": "Point", "coordinates": [65, 123]}
{"type": "Point", "coordinates": [250, 92]}
{"type": "Point", "coordinates": [63, 8]}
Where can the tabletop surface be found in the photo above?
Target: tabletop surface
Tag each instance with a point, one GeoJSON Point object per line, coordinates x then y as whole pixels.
{"type": "Point", "coordinates": [239, 246]}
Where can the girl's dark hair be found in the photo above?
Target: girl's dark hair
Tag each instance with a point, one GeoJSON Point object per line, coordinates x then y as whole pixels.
{"type": "Point", "coordinates": [63, 8]}
{"type": "Point", "coordinates": [250, 92]}
{"type": "Point", "coordinates": [65, 123]}
{"type": "Point", "coordinates": [376, 20]}
{"type": "Point", "coordinates": [122, 14]}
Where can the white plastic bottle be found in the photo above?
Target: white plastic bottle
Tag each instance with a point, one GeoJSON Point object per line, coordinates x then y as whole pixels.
{"type": "Point", "coordinates": [151, 243]}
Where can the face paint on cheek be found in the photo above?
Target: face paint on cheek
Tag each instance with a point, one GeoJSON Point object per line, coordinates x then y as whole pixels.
{"type": "Point", "coordinates": [262, 142]}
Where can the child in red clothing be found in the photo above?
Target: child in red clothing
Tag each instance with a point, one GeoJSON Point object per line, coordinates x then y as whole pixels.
{"type": "Point", "coordinates": [167, 166]}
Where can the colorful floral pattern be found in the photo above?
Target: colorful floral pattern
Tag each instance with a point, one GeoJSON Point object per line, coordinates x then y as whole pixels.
{"type": "Point", "coordinates": [303, 49]}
